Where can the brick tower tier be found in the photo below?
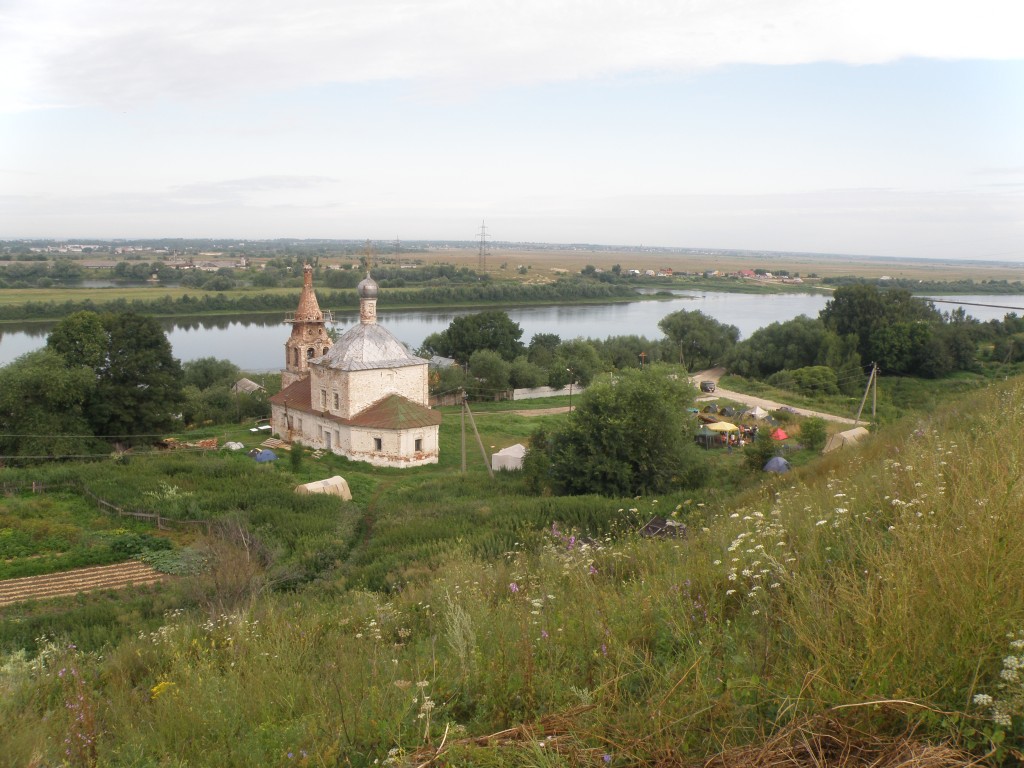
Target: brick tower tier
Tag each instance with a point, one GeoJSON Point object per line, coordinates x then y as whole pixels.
{"type": "Point", "coordinates": [309, 339]}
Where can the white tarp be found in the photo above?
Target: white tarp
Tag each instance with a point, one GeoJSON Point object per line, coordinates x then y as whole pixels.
{"type": "Point", "coordinates": [234, 446]}
{"type": "Point", "coordinates": [844, 439]}
{"type": "Point", "coordinates": [509, 458]}
{"type": "Point", "coordinates": [334, 486]}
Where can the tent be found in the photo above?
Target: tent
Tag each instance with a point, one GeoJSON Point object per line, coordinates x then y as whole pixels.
{"type": "Point", "coordinates": [233, 446]}
{"type": "Point", "coordinates": [723, 426]}
{"type": "Point", "coordinates": [776, 464]}
{"type": "Point", "coordinates": [264, 455]}
{"type": "Point", "coordinates": [509, 458]}
{"type": "Point", "coordinates": [706, 438]}
{"type": "Point", "coordinates": [780, 434]}
{"type": "Point", "coordinates": [844, 439]}
{"type": "Point", "coordinates": [757, 412]}
{"type": "Point", "coordinates": [332, 486]}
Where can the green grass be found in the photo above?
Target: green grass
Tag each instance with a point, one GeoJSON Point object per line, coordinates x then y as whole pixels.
{"type": "Point", "coordinates": [874, 587]}
{"type": "Point", "coordinates": [47, 534]}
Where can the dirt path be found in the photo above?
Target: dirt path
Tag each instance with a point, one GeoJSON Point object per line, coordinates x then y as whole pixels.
{"type": "Point", "coordinates": [714, 374]}
{"type": "Point", "coordinates": [117, 576]}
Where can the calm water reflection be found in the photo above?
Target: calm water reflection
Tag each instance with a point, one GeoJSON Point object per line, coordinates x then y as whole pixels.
{"type": "Point", "coordinates": [256, 342]}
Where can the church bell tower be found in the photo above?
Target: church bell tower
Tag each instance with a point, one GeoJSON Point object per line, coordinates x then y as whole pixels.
{"type": "Point", "coordinates": [309, 339]}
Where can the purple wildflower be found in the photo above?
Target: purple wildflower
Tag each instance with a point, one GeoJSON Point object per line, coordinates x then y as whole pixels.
{"type": "Point", "coordinates": [513, 587]}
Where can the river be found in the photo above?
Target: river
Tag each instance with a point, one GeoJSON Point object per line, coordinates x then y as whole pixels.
{"type": "Point", "coordinates": [256, 342]}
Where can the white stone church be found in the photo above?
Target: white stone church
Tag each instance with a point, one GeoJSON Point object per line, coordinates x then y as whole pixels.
{"type": "Point", "coordinates": [364, 397]}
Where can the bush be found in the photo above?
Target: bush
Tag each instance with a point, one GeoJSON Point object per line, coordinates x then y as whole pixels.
{"type": "Point", "coordinates": [813, 433]}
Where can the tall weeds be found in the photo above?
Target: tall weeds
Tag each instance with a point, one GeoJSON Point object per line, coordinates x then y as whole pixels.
{"type": "Point", "coordinates": [876, 587]}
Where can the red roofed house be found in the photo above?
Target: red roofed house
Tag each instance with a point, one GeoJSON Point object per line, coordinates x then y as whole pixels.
{"type": "Point", "coordinates": [364, 397]}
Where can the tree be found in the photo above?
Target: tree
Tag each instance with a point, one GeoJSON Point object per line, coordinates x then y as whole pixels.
{"type": "Point", "coordinates": [137, 380]}
{"type": "Point", "coordinates": [542, 348]}
{"type": "Point", "coordinates": [492, 330]}
{"type": "Point", "coordinates": [524, 374]}
{"type": "Point", "coordinates": [42, 402]}
{"type": "Point", "coordinates": [618, 352]}
{"type": "Point", "coordinates": [447, 380]}
{"type": "Point", "coordinates": [704, 341]}
{"type": "Point", "coordinates": [627, 436]}
{"type": "Point", "coordinates": [206, 372]}
{"type": "Point", "coordinates": [797, 343]}
{"type": "Point", "coordinates": [892, 327]}
{"type": "Point", "coordinates": [578, 360]}
{"type": "Point", "coordinates": [80, 339]}
{"type": "Point", "coordinates": [489, 372]}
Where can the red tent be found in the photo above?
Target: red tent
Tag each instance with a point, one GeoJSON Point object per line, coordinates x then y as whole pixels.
{"type": "Point", "coordinates": [780, 434]}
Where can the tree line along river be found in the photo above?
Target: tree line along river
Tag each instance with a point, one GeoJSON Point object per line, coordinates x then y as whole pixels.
{"type": "Point", "coordinates": [256, 342]}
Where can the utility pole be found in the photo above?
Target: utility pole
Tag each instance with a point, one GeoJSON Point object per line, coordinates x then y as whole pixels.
{"type": "Point", "coordinates": [484, 253]}
{"type": "Point", "coordinates": [462, 419]}
{"type": "Point", "coordinates": [872, 379]}
{"type": "Point", "coordinates": [472, 421]}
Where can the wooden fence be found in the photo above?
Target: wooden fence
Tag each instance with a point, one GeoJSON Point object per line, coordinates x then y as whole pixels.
{"type": "Point", "coordinates": [155, 518]}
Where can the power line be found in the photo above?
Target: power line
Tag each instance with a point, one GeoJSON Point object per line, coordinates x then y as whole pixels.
{"type": "Point", "coordinates": [484, 253]}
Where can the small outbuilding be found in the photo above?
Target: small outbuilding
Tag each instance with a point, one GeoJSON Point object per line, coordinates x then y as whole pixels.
{"type": "Point", "coordinates": [509, 458]}
{"type": "Point", "coordinates": [246, 386]}
{"type": "Point", "coordinates": [332, 486]}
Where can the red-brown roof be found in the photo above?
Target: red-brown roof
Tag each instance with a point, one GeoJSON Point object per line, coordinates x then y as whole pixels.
{"type": "Point", "coordinates": [390, 412]}
{"type": "Point", "coordinates": [296, 395]}
{"type": "Point", "coordinates": [396, 412]}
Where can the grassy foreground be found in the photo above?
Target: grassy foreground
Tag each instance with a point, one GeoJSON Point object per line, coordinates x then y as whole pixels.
{"type": "Point", "coordinates": [875, 592]}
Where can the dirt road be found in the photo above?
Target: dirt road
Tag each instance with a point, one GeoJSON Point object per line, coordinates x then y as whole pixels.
{"type": "Point", "coordinates": [714, 374]}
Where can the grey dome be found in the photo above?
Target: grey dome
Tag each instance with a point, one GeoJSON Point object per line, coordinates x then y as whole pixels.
{"type": "Point", "coordinates": [367, 288]}
{"type": "Point", "coordinates": [367, 346]}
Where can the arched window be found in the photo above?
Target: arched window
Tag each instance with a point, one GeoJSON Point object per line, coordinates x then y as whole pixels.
{"type": "Point", "coordinates": [295, 356]}
{"type": "Point", "coordinates": [309, 353]}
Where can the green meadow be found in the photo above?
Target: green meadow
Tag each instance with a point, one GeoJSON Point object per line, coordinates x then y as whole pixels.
{"type": "Point", "coordinates": [870, 598]}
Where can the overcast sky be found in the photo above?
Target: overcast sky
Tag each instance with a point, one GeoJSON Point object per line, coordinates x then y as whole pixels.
{"type": "Point", "coordinates": [886, 127]}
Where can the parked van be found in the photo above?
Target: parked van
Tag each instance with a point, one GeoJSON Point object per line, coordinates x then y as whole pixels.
{"type": "Point", "coordinates": [707, 386]}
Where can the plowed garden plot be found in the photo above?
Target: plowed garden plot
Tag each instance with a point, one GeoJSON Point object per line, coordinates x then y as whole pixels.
{"type": "Point", "coordinates": [72, 582]}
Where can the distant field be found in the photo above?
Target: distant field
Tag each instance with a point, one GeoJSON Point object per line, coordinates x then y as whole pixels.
{"type": "Point", "coordinates": [15, 296]}
{"type": "Point", "coordinates": [541, 262]}
{"type": "Point", "coordinates": [547, 265]}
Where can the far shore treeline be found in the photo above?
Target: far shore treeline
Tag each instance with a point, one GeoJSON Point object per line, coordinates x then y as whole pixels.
{"type": "Point", "coordinates": [210, 303]}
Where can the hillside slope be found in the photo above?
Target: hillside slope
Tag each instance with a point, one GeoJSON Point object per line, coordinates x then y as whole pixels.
{"type": "Point", "coordinates": [873, 597]}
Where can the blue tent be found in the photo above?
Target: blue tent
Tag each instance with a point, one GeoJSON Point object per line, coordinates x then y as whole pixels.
{"type": "Point", "coordinates": [265, 455]}
{"type": "Point", "coordinates": [776, 464]}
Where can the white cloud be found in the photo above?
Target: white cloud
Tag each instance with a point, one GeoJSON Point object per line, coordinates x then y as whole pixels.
{"type": "Point", "coordinates": [115, 53]}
